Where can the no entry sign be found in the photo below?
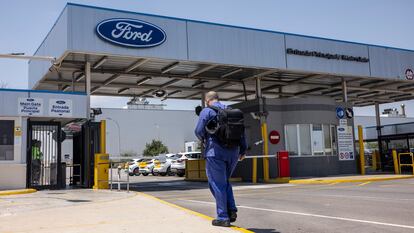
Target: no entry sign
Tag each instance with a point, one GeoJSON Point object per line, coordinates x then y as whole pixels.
{"type": "Point", "coordinates": [274, 137]}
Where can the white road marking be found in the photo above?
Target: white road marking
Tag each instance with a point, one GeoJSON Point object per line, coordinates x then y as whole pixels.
{"type": "Point", "coordinates": [265, 186]}
{"type": "Point", "coordinates": [314, 215]}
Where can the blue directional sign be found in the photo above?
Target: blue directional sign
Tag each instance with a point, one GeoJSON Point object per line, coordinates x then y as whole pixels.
{"type": "Point", "coordinates": [340, 112]}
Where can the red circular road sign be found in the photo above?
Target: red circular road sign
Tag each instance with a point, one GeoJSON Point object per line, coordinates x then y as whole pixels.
{"type": "Point", "coordinates": [274, 137]}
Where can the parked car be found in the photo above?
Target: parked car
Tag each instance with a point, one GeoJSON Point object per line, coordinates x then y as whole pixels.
{"type": "Point", "coordinates": [178, 166]}
{"type": "Point", "coordinates": [133, 167]}
{"type": "Point", "coordinates": [146, 166]}
{"type": "Point", "coordinates": [163, 165]}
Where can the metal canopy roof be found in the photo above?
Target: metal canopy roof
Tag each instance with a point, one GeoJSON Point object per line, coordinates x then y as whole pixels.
{"type": "Point", "coordinates": [139, 77]}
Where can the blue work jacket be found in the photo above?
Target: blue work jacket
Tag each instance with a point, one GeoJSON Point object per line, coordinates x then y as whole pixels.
{"type": "Point", "coordinates": [213, 148]}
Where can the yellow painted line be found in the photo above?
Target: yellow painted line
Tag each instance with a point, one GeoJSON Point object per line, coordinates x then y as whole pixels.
{"type": "Point", "coordinates": [17, 191]}
{"type": "Point", "coordinates": [334, 183]}
{"type": "Point", "coordinates": [365, 183]}
{"type": "Point", "coordinates": [193, 212]}
{"type": "Point", "coordinates": [362, 179]}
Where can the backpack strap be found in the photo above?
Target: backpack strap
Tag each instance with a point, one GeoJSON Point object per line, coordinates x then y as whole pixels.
{"type": "Point", "coordinates": [215, 108]}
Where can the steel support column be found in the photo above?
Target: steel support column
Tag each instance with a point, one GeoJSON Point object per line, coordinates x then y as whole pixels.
{"type": "Point", "coordinates": [344, 91]}
{"type": "Point", "coordinates": [88, 89]}
{"type": "Point", "coordinates": [263, 126]}
{"type": "Point", "coordinates": [378, 123]}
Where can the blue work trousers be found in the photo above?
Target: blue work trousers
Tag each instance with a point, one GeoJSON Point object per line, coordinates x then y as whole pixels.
{"type": "Point", "coordinates": [218, 174]}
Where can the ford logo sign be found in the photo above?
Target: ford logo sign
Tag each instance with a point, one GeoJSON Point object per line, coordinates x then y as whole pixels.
{"type": "Point", "coordinates": [131, 33]}
{"type": "Point", "coordinates": [60, 102]}
{"type": "Point", "coordinates": [341, 129]}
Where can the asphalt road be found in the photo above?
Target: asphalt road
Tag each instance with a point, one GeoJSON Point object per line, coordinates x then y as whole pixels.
{"type": "Point", "coordinates": [386, 206]}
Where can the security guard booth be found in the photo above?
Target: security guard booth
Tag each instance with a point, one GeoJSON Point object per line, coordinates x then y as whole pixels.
{"type": "Point", "coordinates": [31, 136]}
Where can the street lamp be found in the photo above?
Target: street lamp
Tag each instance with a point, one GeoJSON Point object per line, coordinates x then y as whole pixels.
{"type": "Point", "coordinates": [119, 134]}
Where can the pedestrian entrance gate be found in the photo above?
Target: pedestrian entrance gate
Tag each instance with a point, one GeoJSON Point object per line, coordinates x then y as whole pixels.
{"type": "Point", "coordinates": [43, 155]}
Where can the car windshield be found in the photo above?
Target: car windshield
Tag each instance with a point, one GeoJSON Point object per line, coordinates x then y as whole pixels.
{"type": "Point", "coordinates": [175, 157]}
{"type": "Point", "coordinates": [193, 155]}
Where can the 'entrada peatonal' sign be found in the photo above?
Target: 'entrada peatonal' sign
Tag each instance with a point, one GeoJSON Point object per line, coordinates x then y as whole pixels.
{"type": "Point", "coordinates": [131, 33]}
{"type": "Point", "coordinates": [326, 55]}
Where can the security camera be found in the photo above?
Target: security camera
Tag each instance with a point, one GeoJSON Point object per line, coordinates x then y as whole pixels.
{"type": "Point", "coordinates": [255, 115]}
{"type": "Point", "coordinates": [159, 93]}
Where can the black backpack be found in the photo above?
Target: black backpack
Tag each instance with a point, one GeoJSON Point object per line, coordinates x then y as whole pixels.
{"type": "Point", "coordinates": [227, 126]}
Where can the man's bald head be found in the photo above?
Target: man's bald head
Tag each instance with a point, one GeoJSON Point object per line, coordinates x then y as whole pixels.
{"type": "Point", "coordinates": [211, 97]}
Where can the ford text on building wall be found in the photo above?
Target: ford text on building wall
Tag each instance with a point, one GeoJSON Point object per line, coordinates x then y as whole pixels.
{"type": "Point", "coordinates": [131, 32]}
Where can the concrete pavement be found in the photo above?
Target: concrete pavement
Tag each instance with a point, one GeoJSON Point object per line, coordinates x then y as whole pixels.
{"type": "Point", "coordinates": [75, 211]}
{"type": "Point", "coordinates": [365, 207]}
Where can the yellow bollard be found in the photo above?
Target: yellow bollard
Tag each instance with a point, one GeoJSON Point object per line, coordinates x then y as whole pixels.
{"type": "Point", "coordinates": [396, 165]}
{"type": "Point", "coordinates": [102, 138]}
{"type": "Point", "coordinates": [361, 150]}
{"type": "Point", "coordinates": [254, 177]}
{"type": "Point", "coordinates": [265, 152]}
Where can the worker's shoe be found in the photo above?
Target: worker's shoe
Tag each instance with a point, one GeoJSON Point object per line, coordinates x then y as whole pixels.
{"type": "Point", "coordinates": [221, 223]}
{"type": "Point", "coordinates": [233, 216]}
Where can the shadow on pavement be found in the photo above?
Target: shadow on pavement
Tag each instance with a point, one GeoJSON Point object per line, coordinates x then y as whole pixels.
{"type": "Point", "coordinates": [168, 185]}
{"type": "Point", "coordinates": [257, 230]}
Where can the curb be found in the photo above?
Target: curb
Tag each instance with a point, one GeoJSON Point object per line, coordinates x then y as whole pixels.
{"type": "Point", "coordinates": [330, 181]}
{"type": "Point", "coordinates": [192, 212]}
{"type": "Point", "coordinates": [17, 191]}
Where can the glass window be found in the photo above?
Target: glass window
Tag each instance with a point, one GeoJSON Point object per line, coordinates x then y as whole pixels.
{"type": "Point", "coordinates": [305, 141]}
{"type": "Point", "coordinates": [328, 140]}
{"type": "Point", "coordinates": [334, 140]}
{"type": "Point", "coordinates": [292, 139]}
{"type": "Point", "coordinates": [317, 139]}
{"type": "Point", "coordinates": [6, 140]}
{"type": "Point", "coordinates": [310, 139]}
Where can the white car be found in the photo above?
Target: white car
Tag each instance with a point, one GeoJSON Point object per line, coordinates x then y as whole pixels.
{"type": "Point", "coordinates": [146, 166]}
{"type": "Point", "coordinates": [178, 166]}
{"type": "Point", "coordinates": [133, 167]}
{"type": "Point", "coordinates": [162, 166]}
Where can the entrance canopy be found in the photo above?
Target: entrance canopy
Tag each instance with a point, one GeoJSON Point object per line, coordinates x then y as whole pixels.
{"type": "Point", "coordinates": [133, 54]}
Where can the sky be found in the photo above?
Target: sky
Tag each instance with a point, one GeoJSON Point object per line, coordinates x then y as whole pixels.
{"type": "Point", "coordinates": [25, 23]}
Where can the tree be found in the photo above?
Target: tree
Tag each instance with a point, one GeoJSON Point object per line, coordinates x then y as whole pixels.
{"type": "Point", "coordinates": [154, 148]}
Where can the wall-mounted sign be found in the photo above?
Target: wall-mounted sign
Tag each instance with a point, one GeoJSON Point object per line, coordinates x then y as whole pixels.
{"type": "Point", "coordinates": [349, 113]}
{"type": "Point", "coordinates": [17, 131]}
{"type": "Point", "coordinates": [340, 112]}
{"type": "Point", "coordinates": [274, 137]}
{"type": "Point", "coordinates": [345, 143]}
{"type": "Point", "coordinates": [131, 33]}
{"type": "Point", "coordinates": [30, 106]}
{"type": "Point", "coordinates": [329, 56]}
{"type": "Point", "coordinates": [60, 107]}
{"type": "Point", "coordinates": [409, 74]}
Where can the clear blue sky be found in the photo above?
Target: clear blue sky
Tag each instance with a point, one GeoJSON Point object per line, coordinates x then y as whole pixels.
{"type": "Point", "coordinates": [25, 23]}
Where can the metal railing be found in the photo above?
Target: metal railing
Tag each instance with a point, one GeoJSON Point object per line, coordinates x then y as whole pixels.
{"type": "Point", "coordinates": [120, 168]}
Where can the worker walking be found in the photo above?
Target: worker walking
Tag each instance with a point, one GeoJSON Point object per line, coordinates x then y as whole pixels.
{"type": "Point", "coordinates": [221, 129]}
{"type": "Point", "coordinates": [37, 156]}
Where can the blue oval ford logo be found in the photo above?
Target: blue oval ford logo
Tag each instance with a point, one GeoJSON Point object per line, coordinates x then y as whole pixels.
{"type": "Point", "coordinates": [60, 102]}
{"type": "Point", "coordinates": [341, 129]}
{"type": "Point", "coordinates": [131, 33]}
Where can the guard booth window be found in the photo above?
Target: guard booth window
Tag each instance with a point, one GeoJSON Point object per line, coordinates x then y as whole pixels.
{"type": "Point", "coordinates": [6, 140]}
{"type": "Point", "coordinates": [310, 139]}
